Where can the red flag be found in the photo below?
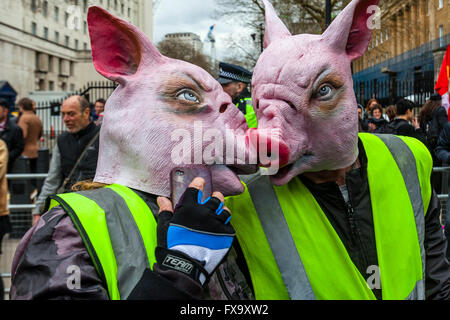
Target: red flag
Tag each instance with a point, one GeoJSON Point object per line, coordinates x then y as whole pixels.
{"type": "Point", "coordinates": [442, 83]}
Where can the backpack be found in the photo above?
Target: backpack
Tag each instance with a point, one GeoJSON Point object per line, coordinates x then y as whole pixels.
{"type": "Point", "coordinates": [390, 128]}
{"type": "Point", "coordinates": [432, 131]}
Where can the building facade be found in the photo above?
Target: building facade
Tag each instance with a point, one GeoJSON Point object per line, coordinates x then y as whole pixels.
{"type": "Point", "coordinates": [188, 37]}
{"type": "Point", "coordinates": [405, 53]}
{"type": "Point", "coordinates": [45, 45]}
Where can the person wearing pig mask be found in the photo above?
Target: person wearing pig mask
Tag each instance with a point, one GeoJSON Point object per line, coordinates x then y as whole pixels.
{"type": "Point", "coordinates": [108, 241]}
{"type": "Point", "coordinates": [347, 215]}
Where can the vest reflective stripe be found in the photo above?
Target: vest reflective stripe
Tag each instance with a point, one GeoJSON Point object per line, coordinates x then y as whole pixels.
{"type": "Point", "coordinates": [338, 278]}
{"type": "Point", "coordinates": [119, 231]}
{"type": "Point", "coordinates": [281, 242]}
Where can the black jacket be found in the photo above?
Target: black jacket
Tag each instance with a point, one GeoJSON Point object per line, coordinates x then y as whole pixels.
{"type": "Point", "coordinates": [380, 125]}
{"type": "Point", "coordinates": [443, 145]}
{"type": "Point", "coordinates": [71, 146]}
{"type": "Point", "coordinates": [13, 137]}
{"type": "Point", "coordinates": [402, 127]}
{"type": "Point", "coordinates": [432, 129]}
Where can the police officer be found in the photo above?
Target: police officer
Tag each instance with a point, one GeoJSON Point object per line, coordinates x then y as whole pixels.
{"type": "Point", "coordinates": [235, 80]}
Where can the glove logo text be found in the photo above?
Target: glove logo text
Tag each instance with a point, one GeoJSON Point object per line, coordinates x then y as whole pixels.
{"type": "Point", "coordinates": [178, 264]}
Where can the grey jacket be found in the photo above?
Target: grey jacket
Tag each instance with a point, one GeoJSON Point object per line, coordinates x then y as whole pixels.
{"type": "Point", "coordinates": [52, 182]}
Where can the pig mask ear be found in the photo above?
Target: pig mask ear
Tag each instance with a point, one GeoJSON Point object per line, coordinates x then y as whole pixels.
{"type": "Point", "coordinates": [275, 28]}
{"type": "Point", "coordinates": [350, 32]}
{"type": "Point", "coordinates": [118, 48]}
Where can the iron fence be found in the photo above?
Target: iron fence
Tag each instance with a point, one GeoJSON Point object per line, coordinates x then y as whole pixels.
{"type": "Point", "coordinates": [50, 111]}
{"type": "Point", "coordinates": [388, 91]}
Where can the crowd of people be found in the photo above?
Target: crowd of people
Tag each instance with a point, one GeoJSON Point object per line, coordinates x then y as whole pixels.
{"type": "Point", "coordinates": [400, 119]}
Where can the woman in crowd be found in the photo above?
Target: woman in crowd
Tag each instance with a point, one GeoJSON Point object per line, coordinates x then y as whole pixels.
{"type": "Point", "coordinates": [377, 123]}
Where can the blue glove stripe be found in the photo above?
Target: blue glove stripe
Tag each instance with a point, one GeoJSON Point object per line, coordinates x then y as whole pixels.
{"type": "Point", "coordinates": [181, 236]}
{"type": "Point", "coordinates": [220, 209]}
{"type": "Point", "coordinates": [200, 196]}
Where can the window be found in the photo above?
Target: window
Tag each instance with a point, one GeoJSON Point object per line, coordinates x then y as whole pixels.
{"type": "Point", "coordinates": [85, 46]}
{"type": "Point", "coordinates": [50, 64]}
{"type": "Point", "coordinates": [33, 5]}
{"type": "Point", "coordinates": [67, 41]}
{"type": "Point", "coordinates": [85, 27]}
{"type": "Point", "coordinates": [41, 86]}
{"type": "Point", "coordinates": [76, 44]}
{"type": "Point", "coordinates": [56, 36]}
{"type": "Point", "coordinates": [45, 8]}
{"type": "Point", "coordinates": [45, 33]}
{"type": "Point", "coordinates": [51, 85]}
{"type": "Point", "coordinates": [441, 4]}
{"type": "Point", "coordinates": [33, 28]}
{"type": "Point", "coordinates": [56, 14]}
{"type": "Point", "coordinates": [441, 36]}
{"type": "Point", "coordinates": [66, 19]}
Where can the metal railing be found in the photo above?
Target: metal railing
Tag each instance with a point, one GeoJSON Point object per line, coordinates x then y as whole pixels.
{"type": "Point", "coordinates": [6, 275]}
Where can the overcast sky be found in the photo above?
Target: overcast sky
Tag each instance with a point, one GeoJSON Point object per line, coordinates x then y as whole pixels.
{"type": "Point", "coordinates": [194, 16]}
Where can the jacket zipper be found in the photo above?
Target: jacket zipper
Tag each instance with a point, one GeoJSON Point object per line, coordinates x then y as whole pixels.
{"type": "Point", "coordinates": [222, 285]}
{"type": "Point", "coordinates": [354, 231]}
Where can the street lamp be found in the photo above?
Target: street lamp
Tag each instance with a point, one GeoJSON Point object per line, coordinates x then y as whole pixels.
{"type": "Point", "coordinates": [261, 37]}
{"type": "Point", "coordinates": [327, 12]}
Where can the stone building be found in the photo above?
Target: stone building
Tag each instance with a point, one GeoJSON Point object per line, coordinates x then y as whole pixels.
{"type": "Point", "coordinates": [406, 50]}
{"type": "Point", "coordinates": [45, 45]}
{"type": "Point", "coordinates": [191, 38]}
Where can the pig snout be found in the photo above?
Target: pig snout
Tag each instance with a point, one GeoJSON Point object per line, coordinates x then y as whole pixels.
{"type": "Point", "coordinates": [270, 148]}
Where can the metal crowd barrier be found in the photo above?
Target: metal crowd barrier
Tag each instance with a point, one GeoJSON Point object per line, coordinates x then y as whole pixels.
{"type": "Point", "coordinates": [6, 275]}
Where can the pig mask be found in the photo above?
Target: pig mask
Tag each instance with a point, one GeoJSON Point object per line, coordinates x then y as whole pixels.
{"type": "Point", "coordinates": [156, 97]}
{"type": "Point", "coordinates": [303, 91]}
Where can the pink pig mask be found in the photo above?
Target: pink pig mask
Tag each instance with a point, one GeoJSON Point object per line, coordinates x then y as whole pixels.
{"type": "Point", "coordinates": [303, 91]}
{"type": "Point", "coordinates": [157, 96]}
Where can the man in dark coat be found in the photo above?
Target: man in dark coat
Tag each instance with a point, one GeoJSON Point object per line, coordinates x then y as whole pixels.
{"type": "Point", "coordinates": [401, 124]}
{"type": "Point", "coordinates": [443, 154]}
{"type": "Point", "coordinates": [11, 133]}
{"type": "Point", "coordinates": [70, 146]}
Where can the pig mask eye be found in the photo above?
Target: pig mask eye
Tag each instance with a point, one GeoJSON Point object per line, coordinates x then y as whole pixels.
{"type": "Point", "coordinates": [325, 92]}
{"type": "Point", "coordinates": [188, 95]}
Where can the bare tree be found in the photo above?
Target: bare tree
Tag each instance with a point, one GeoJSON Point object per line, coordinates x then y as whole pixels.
{"type": "Point", "coordinates": [184, 50]}
{"type": "Point", "coordinates": [300, 16]}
